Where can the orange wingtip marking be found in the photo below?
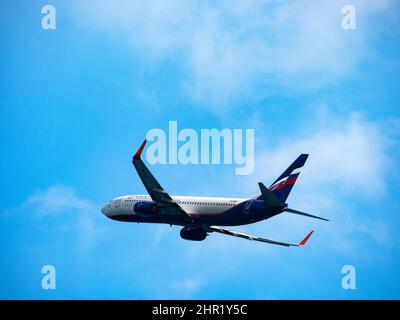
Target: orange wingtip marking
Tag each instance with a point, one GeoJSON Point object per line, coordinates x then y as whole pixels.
{"type": "Point", "coordinates": [306, 239]}
{"type": "Point", "coordinates": [140, 150]}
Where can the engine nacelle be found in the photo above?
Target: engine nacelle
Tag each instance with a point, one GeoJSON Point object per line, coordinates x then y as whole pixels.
{"type": "Point", "coordinates": [145, 208]}
{"type": "Point", "coordinates": [193, 233]}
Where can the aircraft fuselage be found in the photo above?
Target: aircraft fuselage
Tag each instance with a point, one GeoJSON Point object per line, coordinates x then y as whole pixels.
{"type": "Point", "coordinates": [203, 211]}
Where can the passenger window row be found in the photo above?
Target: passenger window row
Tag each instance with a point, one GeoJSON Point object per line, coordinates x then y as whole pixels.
{"type": "Point", "coordinates": [190, 202]}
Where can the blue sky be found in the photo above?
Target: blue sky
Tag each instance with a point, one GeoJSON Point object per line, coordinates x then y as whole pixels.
{"type": "Point", "coordinates": [77, 101]}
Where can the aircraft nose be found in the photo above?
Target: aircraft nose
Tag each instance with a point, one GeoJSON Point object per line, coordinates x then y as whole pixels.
{"type": "Point", "coordinates": [105, 210]}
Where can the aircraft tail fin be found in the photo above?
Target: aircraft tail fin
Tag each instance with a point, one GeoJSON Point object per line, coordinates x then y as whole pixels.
{"type": "Point", "coordinates": [285, 182]}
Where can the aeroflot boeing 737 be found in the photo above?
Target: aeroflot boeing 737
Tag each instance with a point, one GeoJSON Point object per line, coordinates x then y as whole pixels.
{"type": "Point", "coordinates": [200, 216]}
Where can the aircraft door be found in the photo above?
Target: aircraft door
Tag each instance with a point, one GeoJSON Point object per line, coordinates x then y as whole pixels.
{"type": "Point", "coordinates": [117, 203]}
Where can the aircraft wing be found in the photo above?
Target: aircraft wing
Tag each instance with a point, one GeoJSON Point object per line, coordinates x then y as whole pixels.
{"type": "Point", "coordinates": [164, 201]}
{"type": "Point", "coordinates": [250, 237]}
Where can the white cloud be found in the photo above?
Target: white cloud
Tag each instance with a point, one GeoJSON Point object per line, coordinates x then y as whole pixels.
{"type": "Point", "coordinates": [231, 46]}
{"type": "Point", "coordinates": [60, 203]}
{"type": "Point", "coordinates": [57, 199]}
{"type": "Point", "coordinates": [160, 233]}
{"type": "Point", "coordinates": [348, 154]}
{"type": "Point", "coordinates": [344, 179]}
{"type": "Point", "coordinates": [187, 287]}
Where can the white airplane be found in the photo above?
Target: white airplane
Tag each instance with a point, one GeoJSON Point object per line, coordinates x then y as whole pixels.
{"type": "Point", "coordinates": [200, 216]}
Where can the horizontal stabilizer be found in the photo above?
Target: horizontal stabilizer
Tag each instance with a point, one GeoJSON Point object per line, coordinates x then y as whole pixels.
{"type": "Point", "coordinates": [304, 214]}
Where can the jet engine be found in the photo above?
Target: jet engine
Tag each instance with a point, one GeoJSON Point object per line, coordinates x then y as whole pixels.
{"type": "Point", "coordinates": [193, 233]}
{"type": "Point", "coordinates": [145, 208]}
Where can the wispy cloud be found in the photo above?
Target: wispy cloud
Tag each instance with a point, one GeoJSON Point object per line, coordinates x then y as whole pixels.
{"type": "Point", "coordinates": [159, 234]}
{"type": "Point", "coordinates": [229, 48]}
{"type": "Point", "coordinates": [351, 154]}
{"type": "Point", "coordinates": [187, 287]}
{"type": "Point", "coordinates": [57, 199]}
{"type": "Point", "coordinates": [345, 177]}
{"type": "Point", "coordinates": [61, 205]}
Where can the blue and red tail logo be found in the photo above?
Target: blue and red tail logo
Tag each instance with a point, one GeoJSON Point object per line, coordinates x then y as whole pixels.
{"type": "Point", "coordinates": [284, 184]}
{"type": "Point", "coordinates": [287, 181]}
